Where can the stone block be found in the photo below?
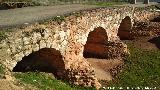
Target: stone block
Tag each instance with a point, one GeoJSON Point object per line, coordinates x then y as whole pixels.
{"type": "Point", "coordinates": [42, 44]}
{"type": "Point", "coordinates": [26, 40]}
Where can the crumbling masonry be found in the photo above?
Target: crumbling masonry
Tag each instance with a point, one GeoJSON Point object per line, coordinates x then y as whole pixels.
{"type": "Point", "coordinates": [62, 44]}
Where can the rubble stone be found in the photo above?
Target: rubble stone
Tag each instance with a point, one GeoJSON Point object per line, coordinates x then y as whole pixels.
{"type": "Point", "coordinates": [70, 38]}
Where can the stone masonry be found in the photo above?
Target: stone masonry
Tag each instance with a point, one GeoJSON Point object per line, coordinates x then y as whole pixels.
{"type": "Point", "coordinates": [68, 37]}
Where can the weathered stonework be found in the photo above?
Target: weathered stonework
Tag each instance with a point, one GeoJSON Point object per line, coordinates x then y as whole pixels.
{"type": "Point", "coordinates": [68, 37]}
{"type": "Point", "coordinates": [145, 15]}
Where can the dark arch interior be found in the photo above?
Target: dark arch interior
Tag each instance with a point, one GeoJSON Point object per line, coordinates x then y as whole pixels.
{"type": "Point", "coordinates": [45, 60]}
{"type": "Point", "coordinates": [95, 46]}
{"type": "Point", "coordinates": [125, 28]}
{"type": "Point", "coordinates": [156, 19]}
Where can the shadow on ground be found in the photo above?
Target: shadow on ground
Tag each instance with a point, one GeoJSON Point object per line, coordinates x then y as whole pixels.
{"type": "Point", "coordinates": [156, 41]}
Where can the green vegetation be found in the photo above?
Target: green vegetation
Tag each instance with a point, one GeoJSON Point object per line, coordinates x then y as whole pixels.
{"type": "Point", "coordinates": [43, 82]}
{"type": "Point", "coordinates": [1, 70]}
{"type": "Point", "coordinates": [106, 3]}
{"type": "Point", "coordinates": [59, 19]}
{"type": "Point", "coordinates": [2, 35]}
{"type": "Point", "coordinates": [142, 69]}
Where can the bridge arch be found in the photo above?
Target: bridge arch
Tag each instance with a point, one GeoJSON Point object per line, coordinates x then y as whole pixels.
{"type": "Point", "coordinates": [125, 28]}
{"type": "Point", "coordinates": [95, 44]}
{"type": "Point", "coordinates": [44, 60]}
{"type": "Point", "coordinates": [69, 38]}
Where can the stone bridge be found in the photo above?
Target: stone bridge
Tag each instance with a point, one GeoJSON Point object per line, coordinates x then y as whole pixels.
{"type": "Point", "coordinates": [60, 47]}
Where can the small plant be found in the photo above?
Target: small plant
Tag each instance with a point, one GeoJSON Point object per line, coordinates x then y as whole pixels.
{"type": "Point", "coordinates": [2, 35]}
{"type": "Point", "coordinates": [59, 19]}
{"type": "Point", "coordinates": [1, 70]}
{"type": "Point", "coordinates": [77, 14]}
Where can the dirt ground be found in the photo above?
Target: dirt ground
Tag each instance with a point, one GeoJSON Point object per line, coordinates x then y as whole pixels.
{"type": "Point", "coordinates": [14, 85]}
{"type": "Point", "coordinates": [102, 67]}
{"type": "Point", "coordinates": [147, 43]}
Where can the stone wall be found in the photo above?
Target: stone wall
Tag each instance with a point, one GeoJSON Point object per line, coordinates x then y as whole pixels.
{"type": "Point", "coordinates": [145, 15]}
{"type": "Point", "coordinates": [145, 23]}
{"type": "Point", "coordinates": [68, 37]}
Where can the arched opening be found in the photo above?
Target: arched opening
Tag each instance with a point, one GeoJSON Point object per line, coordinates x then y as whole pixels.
{"type": "Point", "coordinates": [45, 60]}
{"type": "Point", "coordinates": [124, 29]}
{"type": "Point", "coordinates": [99, 52]}
{"type": "Point", "coordinates": [95, 45]}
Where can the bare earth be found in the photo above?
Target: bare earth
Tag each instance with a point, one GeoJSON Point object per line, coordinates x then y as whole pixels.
{"type": "Point", "coordinates": [12, 85]}
{"type": "Point", "coordinates": [102, 67]}
{"type": "Point", "coordinates": [8, 85]}
{"type": "Point", "coordinates": [24, 15]}
{"type": "Point", "coordinates": [143, 43]}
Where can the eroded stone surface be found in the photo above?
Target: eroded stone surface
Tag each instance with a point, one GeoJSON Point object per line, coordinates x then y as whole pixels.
{"type": "Point", "coordinates": [69, 38]}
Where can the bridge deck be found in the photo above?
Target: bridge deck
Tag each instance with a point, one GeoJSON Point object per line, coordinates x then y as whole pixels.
{"type": "Point", "coordinates": [21, 16]}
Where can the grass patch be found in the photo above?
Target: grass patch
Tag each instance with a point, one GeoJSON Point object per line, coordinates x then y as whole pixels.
{"type": "Point", "coordinates": [43, 82]}
{"type": "Point", "coordinates": [142, 69]}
